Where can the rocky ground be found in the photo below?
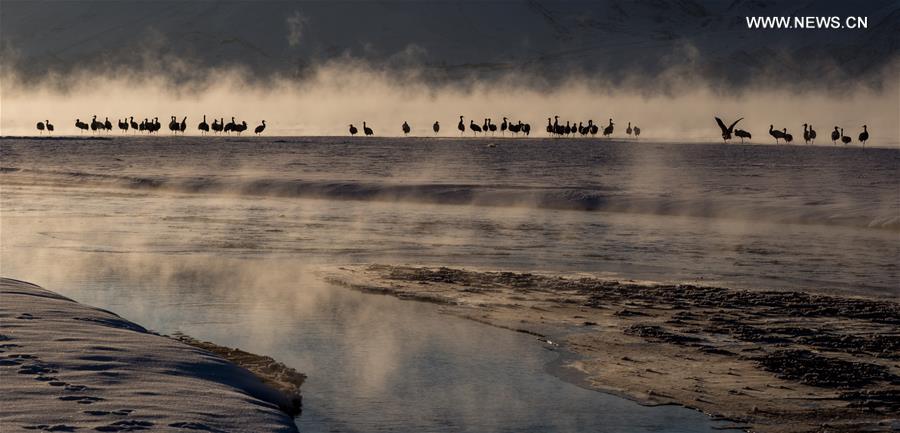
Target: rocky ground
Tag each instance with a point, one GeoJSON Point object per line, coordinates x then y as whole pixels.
{"type": "Point", "coordinates": [772, 361]}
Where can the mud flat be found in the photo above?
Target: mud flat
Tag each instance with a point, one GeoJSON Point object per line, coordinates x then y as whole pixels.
{"type": "Point", "coordinates": [66, 366]}
{"type": "Point", "coordinates": [769, 361]}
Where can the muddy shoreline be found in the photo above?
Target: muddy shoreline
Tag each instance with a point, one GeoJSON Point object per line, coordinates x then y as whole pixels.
{"type": "Point", "coordinates": [771, 361]}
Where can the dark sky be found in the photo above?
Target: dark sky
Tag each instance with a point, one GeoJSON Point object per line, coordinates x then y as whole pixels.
{"type": "Point", "coordinates": [620, 41]}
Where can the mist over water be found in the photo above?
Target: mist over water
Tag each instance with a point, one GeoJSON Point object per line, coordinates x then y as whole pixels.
{"type": "Point", "coordinates": [338, 94]}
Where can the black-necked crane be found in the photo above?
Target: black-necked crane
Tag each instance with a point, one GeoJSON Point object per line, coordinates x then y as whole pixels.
{"type": "Point", "coordinates": [241, 127]}
{"type": "Point", "coordinates": [637, 132]}
{"type": "Point", "coordinates": [812, 134]}
{"type": "Point", "coordinates": [134, 125]}
{"type": "Point", "coordinates": [628, 130]}
{"type": "Point", "coordinates": [461, 126]}
{"type": "Point", "coordinates": [515, 128]}
{"type": "Point", "coordinates": [594, 128]}
{"type": "Point", "coordinates": [550, 129]}
{"type": "Point", "coordinates": [183, 126]}
{"type": "Point", "coordinates": [844, 138]}
{"type": "Point", "coordinates": [40, 127]}
{"type": "Point", "coordinates": [107, 125]}
{"type": "Point", "coordinates": [49, 126]}
{"type": "Point", "coordinates": [787, 137]}
{"type": "Point", "coordinates": [95, 124]}
{"type": "Point", "coordinates": [864, 136]}
{"type": "Point", "coordinates": [260, 128]}
{"type": "Point", "coordinates": [778, 135]}
{"type": "Point", "coordinates": [492, 126]}
{"type": "Point", "coordinates": [475, 128]}
{"type": "Point", "coordinates": [835, 135]}
{"type": "Point", "coordinates": [436, 127]}
{"type": "Point", "coordinates": [353, 130]}
{"type": "Point", "coordinates": [218, 125]}
{"type": "Point", "coordinates": [806, 133]}
{"type": "Point", "coordinates": [727, 130]}
{"type": "Point", "coordinates": [503, 127]}
{"type": "Point", "coordinates": [173, 125]}
{"type": "Point", "coordinates": [229, 126]}
{"type": "Point", "coordinates": [486, 126]}
{"type": "Point", "coordinates": [143, 126]}
{"type": "Point", "coordinates": [742, 134]}
{"type": "Point", "coordinates": [525, 127]}
{"type": "Point", "coordinates": [203, 126]}
{"type": "Point", "coordinates": [607, 132]}
{"type": "Point", "coordinates": [123, 125]}
{"type": "Point", "coordinates": [367, 130]}
{"type": "Point", "coordinates": [81, 125]}
{"type": "Point", "coordinates": [406, 128]}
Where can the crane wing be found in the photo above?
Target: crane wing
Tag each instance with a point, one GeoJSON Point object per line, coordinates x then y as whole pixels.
{"type": "Point", "coordinates": [735, 123]}
{"type": "Point", "coordinates": [722, 125]}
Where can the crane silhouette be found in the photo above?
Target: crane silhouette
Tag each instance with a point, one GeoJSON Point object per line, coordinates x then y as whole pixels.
{"type": "Point", "coordinates": [353, 130]}
{"type": "Point", "coordinates": [203, 126]}
{"type": "Point", "coordinates": [183, 126]}
{"type": "Point", "coordinates": [787, 137]}
{"type": "Point", "coordinates": [367, 130]}
{"type": "Point", "coordinates": [844, 139]}
{"type": "Point", "coordinates": [727, 130]}
{"type": "Point", "coordinates": [475, 128]}
{"type": "Point", "coordinates": [835, 135]}
{"type": "Point", "coordinates": [123, 125]}
{"type": "Point", "coordinates": [812, 134]}
{"type": "Point", "coordinates": [628, 130]}
{"type": "Point", "coordinates": [218, 125]}
{"type": "Point", "coordinates": [134, 125]}
{"type": "Point", "coordinates": [259, 129]}
{"type": "Point", "coordinates": [461, 126]}
{"type": "Point", "coordinates": [406, 128]}
{"type": "Point", "coordinates": [95, 125]}
{"type": "Point", "coordinates": [503, 127]}
{"type": "Point", "coordinates": [436, 127]}
{"type": "Point", "coordinates": [806, 133]}
{"type": "Point", "coordinates": [609, 129]}
{"type": "Point", "coordinates": [742, 134]}
{"type": "Point", "coordinates": [40, 127]}
{"type": "Point", "coordinates": [107, 125]}
{"type": "Point", "coordinates": [776, 133]}
{"type": "Point", "coordinates": [637, 132]}
{"type": "Point", "coordinates": [864, 136]}
{"type": "Point", "coordinates": [229, 126]}
{"type": "Point", "coordinates": [81, 125]}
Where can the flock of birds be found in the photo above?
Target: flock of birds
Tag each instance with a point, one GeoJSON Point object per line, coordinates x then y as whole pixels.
{"type": "Point", "coordinates": [152, 125]}
{"type": "Point", "coordinates": [554, 128]}
{"type": "Point", "coordinates": [809, 134]}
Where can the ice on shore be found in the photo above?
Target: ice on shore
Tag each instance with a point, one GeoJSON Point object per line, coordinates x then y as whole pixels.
{"type": "Point", "coordinates": [65, 366]}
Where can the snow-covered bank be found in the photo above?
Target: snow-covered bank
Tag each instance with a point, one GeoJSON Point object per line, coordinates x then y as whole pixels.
{"type": "Point", "coordinates": [65, 366]}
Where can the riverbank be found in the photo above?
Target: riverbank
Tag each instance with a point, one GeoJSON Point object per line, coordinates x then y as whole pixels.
{"type": "Point", "coordinates": [770, 361]}
{"type": "Point", "coordinates": [68, 366]}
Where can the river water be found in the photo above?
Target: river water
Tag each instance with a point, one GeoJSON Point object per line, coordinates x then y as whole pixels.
{"type": "Point", "coordinates": [221, 238]}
